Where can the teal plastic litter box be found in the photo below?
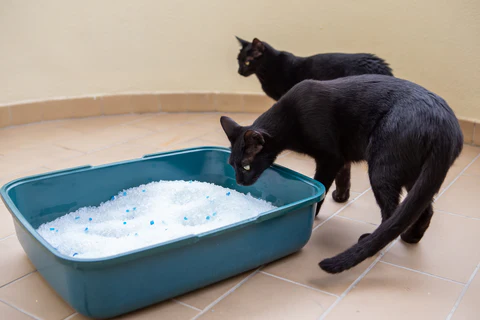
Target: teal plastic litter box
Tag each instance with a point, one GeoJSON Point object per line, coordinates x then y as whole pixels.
{"type": "Point", "coordinates": [107, 287]}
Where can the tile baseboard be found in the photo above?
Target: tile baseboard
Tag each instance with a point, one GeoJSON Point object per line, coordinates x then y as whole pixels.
{"type": "Point", "coordinates": [56, 109]}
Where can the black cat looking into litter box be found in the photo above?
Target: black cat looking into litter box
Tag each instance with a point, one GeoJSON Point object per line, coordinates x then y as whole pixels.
{"type": "Point", "coordinates": [279, 71]}
{"type": "Point", "coordinates": [408, 135]}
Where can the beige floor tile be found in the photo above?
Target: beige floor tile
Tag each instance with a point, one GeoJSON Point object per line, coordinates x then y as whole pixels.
{"type": "Point", "coordinates": [165, 310]}
{"type": "Point", "coordinates": [125, 151]}
{"type": "Point", "coordinates": [330, 239]}
{"type": "Point", "coordinates": [6, 222]}
{"type": "Point", "coordinates": [203, 297]}
{"type": "Point", "coordinates": [190, 144]}
{"type": "Point", "coordinates": [265, 297]}
{"type": "Point", "coordinates": [474, 169]}
{"type": "Point", "coordinates": [330, 207]}
{"type": "Point", "coordinates": [33, 295]}
{"type": "Point", "coordinates": [469, 308]}
{"type": "Point", "coordinates": [304, 165]}
{"type": "Point", "coordinates": [388, 292]}
{"type": "Point", "coordinates": [15, 138]}
{"type": "Point", "coordinates": [13, 261]}
{"type": "Point", "coordinates": [32, 157]}
{"type": "Point", "coordinates": [90, 125]}
{"type": "Point", "coordinates": [365, 208]}
{"type": "Point", "coordinates": [439, 252]}
{"type": "Point", "coordinates": [218, 137]}
{"type": "Point", "coordinates": [462, 197]}
{"type": "Point", "coordinates": [164, 121]}
{"type": "Point", "coordinates": [9, 313]}
{"type": "Point", "coordinates": [468, 154]}
{"type": "Point", "coordinates": [359, 179]}
{"type": "Point", "coordinates": [101, 139]}
{"type": "Point", "coordinates": [175, 135]}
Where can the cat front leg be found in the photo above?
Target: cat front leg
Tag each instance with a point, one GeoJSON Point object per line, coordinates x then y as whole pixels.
{"type": "Point", "coordinates": [326, 171]}
{"type": "Point", "coordinates": [342, 183]}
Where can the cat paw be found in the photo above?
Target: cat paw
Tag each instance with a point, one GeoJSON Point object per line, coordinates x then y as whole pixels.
{"type": "Point", "coordinates": [363, 236]}
{"type": "Point", "coordinates": [341, 198]}
{"type": "Point", "coordinates": [408, 238]}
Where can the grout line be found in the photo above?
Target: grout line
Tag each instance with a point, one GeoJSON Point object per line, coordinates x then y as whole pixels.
{"type": "Point", "coordinates": [19, 310]}
{"type": "Point", "coordinates": [358, 220]}
{"type": "Point", "coordinates": [297, 283]}
{"type": "Point", "coordinates": [457, 215]}
{"type": "Point", "coordinates": [462, 294]}
{"type": "Point", "coordinates": [423, 273]}
{"type": "Point", "coordinates": [354, 284]}
{"type": "Point", "coordinates": [186, 305]}
{"type": "Point", "coordinates": [340, 210]}
{"type": "Point", "coordinates": [223, 296]}
{"type": "Point", "coordinates": [457, 177]}
{"type": "Point", "coordinates": [18, 279]}
{"type": "Point", "coordinates": [9, 236]}
{"type": "Point", "coordinates": [71, 316]}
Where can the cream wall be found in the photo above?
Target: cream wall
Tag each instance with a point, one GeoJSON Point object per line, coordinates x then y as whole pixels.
{"type": "Point", "coordinates": [76, 48]}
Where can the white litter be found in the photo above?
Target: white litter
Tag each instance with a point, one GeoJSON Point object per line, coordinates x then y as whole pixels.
{"type": "Point", "coordinates": [147, 215]}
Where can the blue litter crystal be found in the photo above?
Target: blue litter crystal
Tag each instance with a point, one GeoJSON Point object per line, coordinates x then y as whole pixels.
{"type": "Point", "coordinates": [124, 193]}
{"type": "Point", "coordinates": [214, 214]}
{"type": "Point", "coordinates": [90, 219]}
{"type": "Point", "coordinates": [124, 222]}
{"type": "Point", "coordinates": [208, 217]}
{"type": "Point", "coordinates": [228, 193]}
{"type": "Point", "coordinates": [86, 229]}
{"type": "Point", "coordinates": [75, 254]}
{"type": "Point", "coordinates": [190, 181]}
{"type": "Point", "coordinates": [51, 229]}
{"type": "Point", "coordinates": [77, 217]}
{"type": "Point", "coordinates": [134, 208]}
{"type": "Point", "coordinates": [112, 198]}
{"type": "Point", "coordinates": [208, 197]}
{"type": "Point", "coordinates": [185, 218]}
{"type": "Point", "coordinates": [136, 234]}
{"type": "Point", "coordinates": [127, 210]}
{"type": "Point", "coordinates": [143, 190]}
{"type": "Point", "coordinates": [152, 222]}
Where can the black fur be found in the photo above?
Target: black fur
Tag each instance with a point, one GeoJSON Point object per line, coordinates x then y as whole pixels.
{"type": "Point", "coordinates": [408, 135]}
{"type": "Point", "coordinates": [279, 71]}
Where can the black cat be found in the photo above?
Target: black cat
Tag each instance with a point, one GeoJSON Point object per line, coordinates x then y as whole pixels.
{"type": "Point", "coordinates": [408, 135]}
{"type": "Point", "coordinates": [279, 71]}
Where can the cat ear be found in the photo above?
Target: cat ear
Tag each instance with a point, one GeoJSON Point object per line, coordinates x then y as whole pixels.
{"type": "Point", "coordinates": [257, 48]}
{"type": "Point", "coordinates": [231, 128]}
{"type": "Point", "coordinates": [242, 42]}
{"type": "Point", "coordinates": [254, 142]}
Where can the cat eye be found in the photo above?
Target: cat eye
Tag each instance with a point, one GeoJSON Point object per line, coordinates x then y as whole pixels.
{"type": "Point", "coordinates": [247, 63]}
{"type": "Point", "coordinates": [246, 168]}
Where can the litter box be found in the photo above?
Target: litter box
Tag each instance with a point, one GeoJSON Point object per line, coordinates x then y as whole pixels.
{"type": "Point", "coordinates": [107, 287]}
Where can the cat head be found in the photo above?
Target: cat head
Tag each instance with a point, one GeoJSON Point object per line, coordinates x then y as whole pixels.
{"type": "Point", "coordinates": [250, 151]}
{"type": "Point", "coordinates": [250, 56]}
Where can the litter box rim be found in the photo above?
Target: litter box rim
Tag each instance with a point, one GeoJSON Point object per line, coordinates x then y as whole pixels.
{"type": "Point", "coordinates": [94, 263]}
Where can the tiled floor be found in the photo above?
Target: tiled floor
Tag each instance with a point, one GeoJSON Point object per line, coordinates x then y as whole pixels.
{"type": "Point", "coordinates": [436, 279]}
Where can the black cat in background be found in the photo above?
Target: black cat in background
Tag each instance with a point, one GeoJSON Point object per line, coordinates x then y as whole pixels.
{"type": "Point", "coordinates": [279, 71]}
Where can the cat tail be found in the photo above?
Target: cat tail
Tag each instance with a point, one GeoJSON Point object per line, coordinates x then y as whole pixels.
{"type": "Point", "coordinates": [428, 183]}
